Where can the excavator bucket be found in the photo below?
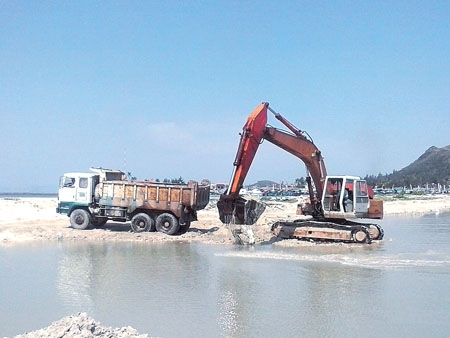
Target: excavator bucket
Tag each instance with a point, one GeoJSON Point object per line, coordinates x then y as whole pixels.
{"type": "Point", "coordinates": [239, 210]}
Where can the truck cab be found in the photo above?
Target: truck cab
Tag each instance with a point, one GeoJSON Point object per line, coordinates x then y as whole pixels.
{"type": "Point", "coordinates": [77, 189]}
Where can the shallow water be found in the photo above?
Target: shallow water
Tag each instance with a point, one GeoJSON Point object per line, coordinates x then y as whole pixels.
{"type": "Point", "coordinates": [396, 288]}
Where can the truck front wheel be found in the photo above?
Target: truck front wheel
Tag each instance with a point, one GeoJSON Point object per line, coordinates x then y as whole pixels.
{"type": "Point", "coordinates": [167, 224]}
{"type": "Point", "coordinates": [80, 219]}
{"type": "Point", "coordinates": [142, 222]}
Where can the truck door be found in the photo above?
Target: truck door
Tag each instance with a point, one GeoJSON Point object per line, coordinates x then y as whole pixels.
{"type": "Point", "coordinates": [83, 190]}
{"type": "Point", "coordinates": [361, 197]}
{"type": "Point", "coordinates": [67, 189]}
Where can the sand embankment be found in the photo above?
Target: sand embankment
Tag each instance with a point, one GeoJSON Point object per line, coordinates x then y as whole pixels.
{"type": "Point", "coordinates": [412, 205]}
{"type": "Point", "coordinates": [35, 219]}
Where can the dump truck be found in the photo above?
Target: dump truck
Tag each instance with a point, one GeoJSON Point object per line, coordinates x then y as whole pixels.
{"type": "Point", "coordinates": [91, 199]}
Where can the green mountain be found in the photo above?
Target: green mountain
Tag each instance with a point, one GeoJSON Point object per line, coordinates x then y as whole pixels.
{"type": "Point", "coordinates": [433, 166]}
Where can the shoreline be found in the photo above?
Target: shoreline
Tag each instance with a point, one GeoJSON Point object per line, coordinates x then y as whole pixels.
{"type": "Point", "coordinates": [416, 205]}
{"type": "Point", "coordinates": [35, 219]}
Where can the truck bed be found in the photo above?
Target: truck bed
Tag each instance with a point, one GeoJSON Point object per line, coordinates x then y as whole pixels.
{"type": "Point", "coordinates": [155, 196]}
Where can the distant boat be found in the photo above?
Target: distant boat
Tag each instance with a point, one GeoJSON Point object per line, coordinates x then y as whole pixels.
{"type": "Point", "coordinates": [243, 191]}
{"type": "Point", "coordinates": [255, 192]}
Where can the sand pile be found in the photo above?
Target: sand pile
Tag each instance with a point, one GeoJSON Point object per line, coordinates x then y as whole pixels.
{"type": "Point", "coordinates": [81, 326]}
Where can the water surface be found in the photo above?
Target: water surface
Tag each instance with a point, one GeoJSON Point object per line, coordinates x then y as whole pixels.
{"type": "Point", "coordinates": [396, 288]}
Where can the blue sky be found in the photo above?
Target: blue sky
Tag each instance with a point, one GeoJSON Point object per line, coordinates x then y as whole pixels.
{"type": "Point", "coordinates": [163, 88]}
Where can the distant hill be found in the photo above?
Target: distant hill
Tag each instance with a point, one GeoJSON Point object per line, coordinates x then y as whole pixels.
{"type": "Point", "coordinates": [264, 183]}
{"type": "Point", "coordinates": [433, 166]}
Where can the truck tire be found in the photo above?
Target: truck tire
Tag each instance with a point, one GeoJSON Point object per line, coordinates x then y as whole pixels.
{"type": "Point", "coordinates": [98, 222]}
{"type": "Point", "coordinates": [167, 224]}
{"type": "Point", "coordinates": [80, 219]}
{"type": "Point", "coordinates": [184, 227]}
{"type": "Point", "coordinates": [142, 223]}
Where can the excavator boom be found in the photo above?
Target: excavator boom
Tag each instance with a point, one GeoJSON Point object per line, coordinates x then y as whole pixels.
{"type": "Point", "coordinates": [251, 137]}
{"type": "Point", "coordinates": [233, 208]}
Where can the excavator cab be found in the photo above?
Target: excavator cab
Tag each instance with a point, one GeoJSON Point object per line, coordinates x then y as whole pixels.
{"type": "Point", "coordinates": [346, 197]}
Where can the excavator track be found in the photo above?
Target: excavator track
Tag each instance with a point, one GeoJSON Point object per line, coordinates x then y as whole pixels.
{"type": "Point", "coordinates": [318, 230]}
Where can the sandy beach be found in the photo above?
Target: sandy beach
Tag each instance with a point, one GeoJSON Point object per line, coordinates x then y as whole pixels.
{"type": "Point", "coordinates": [35, 219]}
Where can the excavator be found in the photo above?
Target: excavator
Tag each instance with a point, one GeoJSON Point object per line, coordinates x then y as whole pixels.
{"type": "Point", "coordinates": [334, 203]}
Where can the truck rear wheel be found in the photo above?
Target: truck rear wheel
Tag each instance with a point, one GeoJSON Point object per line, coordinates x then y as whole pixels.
{"type": "Point", "coordinates": [80, 219]}
{"type": "Point", "coordinates": [167, 223]}
{"type": "Point", "coordinates": [184, 227]}
{"type": "Point", "coordinates": [142, 222]}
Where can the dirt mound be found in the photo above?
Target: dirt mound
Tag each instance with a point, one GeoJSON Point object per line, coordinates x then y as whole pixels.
{"type": "Point", "coordinates": [81, 326]}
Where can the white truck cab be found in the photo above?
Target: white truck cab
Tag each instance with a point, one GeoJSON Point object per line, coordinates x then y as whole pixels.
{"type": "Point", "coordinates": [77, 189]}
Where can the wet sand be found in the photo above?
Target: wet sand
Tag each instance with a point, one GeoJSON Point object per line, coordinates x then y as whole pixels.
{"type": "Point", "coordinates": [35, 219]}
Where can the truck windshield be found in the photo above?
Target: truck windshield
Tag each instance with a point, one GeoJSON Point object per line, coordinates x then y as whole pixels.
{"type": "Point", "coordinates": [67, 181]}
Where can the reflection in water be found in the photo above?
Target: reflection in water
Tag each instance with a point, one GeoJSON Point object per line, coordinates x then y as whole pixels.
{"type": "Point", "coordinates": [75, 274]}
{"type": "Point", "coordinates": [274, 291]}
{"type": "Point", "coordinates": [116, 280]}
{"type": "Point", "coordinates": [335, 296]}
{"type": "Point", "coordinates": [227, 314]}
{"type": "Point", "coordinates": [192, 290]}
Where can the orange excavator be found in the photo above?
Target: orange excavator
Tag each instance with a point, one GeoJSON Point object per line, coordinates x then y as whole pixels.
{"type": "Point", "coordinates": [333, 200]}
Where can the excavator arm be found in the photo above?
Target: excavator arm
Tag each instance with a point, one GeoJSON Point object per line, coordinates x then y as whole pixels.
{"type": "Point", "coordinates": [304, 149]}
{"type": "Point", "coordinates": [234, 208]}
